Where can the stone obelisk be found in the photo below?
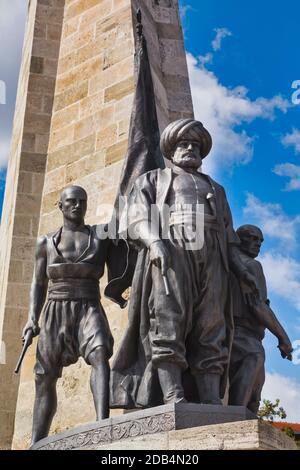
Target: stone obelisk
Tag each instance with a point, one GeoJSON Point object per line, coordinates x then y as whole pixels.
{"type": "Point", "coordinates": [71, 126]}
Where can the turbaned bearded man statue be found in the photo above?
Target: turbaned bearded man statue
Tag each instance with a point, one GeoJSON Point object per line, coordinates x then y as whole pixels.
{"type": "Point", "coordinates": [178, 342]}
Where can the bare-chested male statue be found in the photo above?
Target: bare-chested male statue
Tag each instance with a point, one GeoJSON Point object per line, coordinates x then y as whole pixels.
{"type": "Point", "coordinates": [68, 266]}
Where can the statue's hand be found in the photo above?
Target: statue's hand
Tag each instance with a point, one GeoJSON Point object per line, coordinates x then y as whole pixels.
{"type": "Point", "coordinates": [159, 256]}
{"type": "Point", "coordinates": [33, 326]}
{"type": "Point", "coordinates": [286, 349]}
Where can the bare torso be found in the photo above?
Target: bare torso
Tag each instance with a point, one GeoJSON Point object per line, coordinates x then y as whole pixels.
{"type": "Point", "coordinates": [73, 243]}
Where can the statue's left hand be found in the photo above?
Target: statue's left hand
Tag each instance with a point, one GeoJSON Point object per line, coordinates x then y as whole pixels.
{"type": "Point", "coordinates": [286, 349]}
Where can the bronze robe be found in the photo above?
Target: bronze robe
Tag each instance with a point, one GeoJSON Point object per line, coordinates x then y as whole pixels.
{"type": "Point", "coordinates": [134, 381]}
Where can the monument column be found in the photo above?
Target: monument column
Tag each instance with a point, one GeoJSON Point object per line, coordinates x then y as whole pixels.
{"type": "Point", "coordinates": [24, 185]}
{"type": "Point", "coordinates": [71, 126]}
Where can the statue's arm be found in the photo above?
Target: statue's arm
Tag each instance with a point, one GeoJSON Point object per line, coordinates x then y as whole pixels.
{"type": "Point", "coordinates": [268, 319]}
{"type": "Point", "coordinates": [141, 203]}
{"type": "Point", "coordinates": [235, 263]}
{"type": "Point", "coordinates": [144, 221]}
{"type": "Point", "coordinates": [39, 285]}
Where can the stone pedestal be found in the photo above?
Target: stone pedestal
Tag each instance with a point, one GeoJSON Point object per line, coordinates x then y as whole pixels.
{"type": "Point", "coordinates": [241, 435]}
{"type": "Point", "coordinates": [173, 427]}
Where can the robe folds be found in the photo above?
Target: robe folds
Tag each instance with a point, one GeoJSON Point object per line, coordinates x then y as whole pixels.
{"type": "Point", "coordinates": [203, 317]}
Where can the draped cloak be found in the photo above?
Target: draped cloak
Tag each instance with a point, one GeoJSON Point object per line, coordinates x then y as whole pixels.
{"type": "Point", "coordinates": [134, 381]}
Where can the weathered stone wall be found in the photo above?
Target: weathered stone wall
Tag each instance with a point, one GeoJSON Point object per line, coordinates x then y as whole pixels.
{"type": "Point", "coordinates": [25, 178]}
{"type": "Point", "coordinates": [88, 140]}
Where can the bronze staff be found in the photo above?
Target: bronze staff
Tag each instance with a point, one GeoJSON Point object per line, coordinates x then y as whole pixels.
{"type": "Point", "coordinates": [27, 341]}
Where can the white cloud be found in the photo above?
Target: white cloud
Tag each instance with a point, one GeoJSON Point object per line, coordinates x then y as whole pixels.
{"type": "Point", "coordinates": [291, 171]}
{"type": "Point", "coordinates": [283, 275]}
{"type": "Point", "coordinates": [206, 59]}
{"type": "Point", "coordinates": [287, 390]}
{"type": "Point", "coordinates": [272, 219]}
{"type": "Point", "coordinates": [223, 110]}
{"type": "Point", "coordinates": [11, 33]}
{"type": "Point", "coordinates": [282, 271]}
{"type": "Point", "coordinates": [292, 140]}
{"type": "Point", "coordinates": [183, 10]}
{"type": "Point", "coordinates": [12, 24]}
{"type": "Point", "coordinates": [221, 33]}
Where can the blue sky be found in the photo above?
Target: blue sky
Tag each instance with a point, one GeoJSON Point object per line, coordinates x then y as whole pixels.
{"type": "Point", "coordinates": [242, 63]}
{"type": "Point", "coordinates": [243, 59]}
{"type": "Point", "coordinates": [12, 24]}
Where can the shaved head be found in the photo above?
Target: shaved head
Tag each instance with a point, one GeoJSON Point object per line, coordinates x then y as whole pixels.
{"type": "Point", "coordinates": [73, 192]}
{"type": "Point", "coordinates": [246, 230]}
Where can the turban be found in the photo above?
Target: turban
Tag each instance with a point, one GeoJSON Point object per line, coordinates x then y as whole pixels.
{"type": "Point", "coordinates": [185, 129]}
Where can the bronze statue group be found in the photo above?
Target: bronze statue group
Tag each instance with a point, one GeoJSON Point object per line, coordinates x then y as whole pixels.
{"type": "Point", "coordinates": [197, 317]}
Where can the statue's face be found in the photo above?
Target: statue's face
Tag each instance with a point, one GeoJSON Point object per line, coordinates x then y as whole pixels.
{"type": "Point", "coordinates": [73, 204]}
{"type": "Point", "coordinates": [187, 154]}
{"type": "Point", "coordinates": [251, 243]}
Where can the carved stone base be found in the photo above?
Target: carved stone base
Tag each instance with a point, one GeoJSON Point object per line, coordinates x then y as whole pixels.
{"type": "Point", "coordinates": [244, 435]}
{"type": "Point", "coordinates": [154, 421]}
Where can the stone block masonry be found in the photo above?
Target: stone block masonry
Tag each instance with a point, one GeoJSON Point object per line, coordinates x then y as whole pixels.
{"type": "Point", "coordinates": [71, 126]}
{"type": "Point", "coordinates": [25, 179]}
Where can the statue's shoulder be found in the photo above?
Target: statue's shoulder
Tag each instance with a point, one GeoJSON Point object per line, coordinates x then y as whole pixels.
{"type": "Point", "coordinates": [41, 245]}
{"type": "Point", "coordinates": [152, 173]}
{"type": "Point", "coordinates": [50, 235]}
{"type": "Point", "coordinates": [258, 266]}
{"type": "Point", "coordinates": [252, 264]}
{"type": "Point", "coordinates": [245, 258]}
{"type": "Point", "coordinates": [217, 186]}
{"type": "Point", "coordinates": [42, 240]}
{"type": "Point", "coordinates": [45, 240]}
{"type": "Point", "coordinates": [151, 176]}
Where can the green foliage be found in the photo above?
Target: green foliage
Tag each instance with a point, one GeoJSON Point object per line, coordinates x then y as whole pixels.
{"type": "Point", "coordinates": [269, 411]}
{"type": "Point", "coordinates": [289, 432]}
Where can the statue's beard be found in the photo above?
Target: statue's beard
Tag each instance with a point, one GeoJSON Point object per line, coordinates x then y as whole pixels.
{"type": "Point", "coordinates": [188, 161]}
